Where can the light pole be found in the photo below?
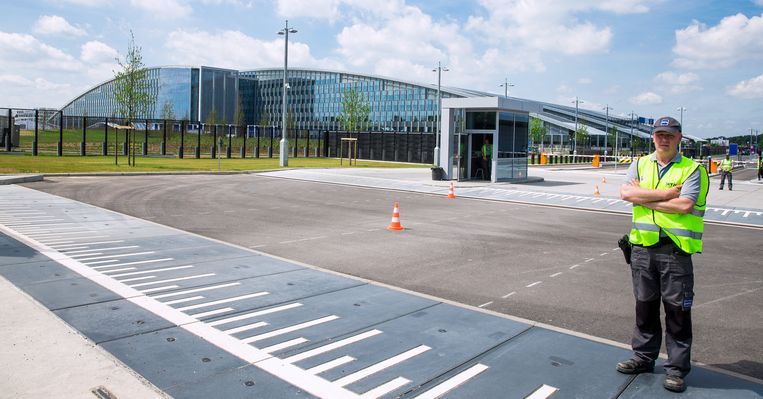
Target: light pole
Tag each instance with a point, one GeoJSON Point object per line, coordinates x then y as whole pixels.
{"type": "Point", "coordinates": [632, 115]}
{"type": "Point", "coordinates": [283, 159]}
{"type": "Point", "coordinates": [506, 86]}
{"type": "Point", "coordinates": [606, 130]}
{"type": "Point", "coordinates": [440, 69]}
{"type": "Point", "coordinates": [681, 121]}
{"type": "Point", "coordinates": [575, 134]}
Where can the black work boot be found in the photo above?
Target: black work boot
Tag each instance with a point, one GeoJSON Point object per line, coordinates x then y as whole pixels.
{"type": "Point", "coordinates": [633, 366]}
{"type": "Point", "coordinates": [674, 383]}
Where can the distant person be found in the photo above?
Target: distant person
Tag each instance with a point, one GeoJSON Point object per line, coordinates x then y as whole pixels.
{"type": "Point", "coordinates": [669, 193]}
{"type": "Point", "coordinates": [760, 165]}
{"type": "Point", "coordinates": [726, 166]}
{"type": "Point", "coordinates": [487, 154]}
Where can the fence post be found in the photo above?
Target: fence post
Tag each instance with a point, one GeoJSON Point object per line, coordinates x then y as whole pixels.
{"type": "Point", "coordinates": [163, 149]}
{"type": "Point", "coordinates": [213, 149]}
{"type": "Point", "coordinates": [228, 150]}
{"type": "Point", "coordinates": [82, 150]}
{"type": "Point", "coordinates": [145, 139]}
{"type": "Point", "coordinates": [257, 136]}
{"type": "Point", "coordinates": [34, 143]}
{"type": "Point", "coordinates": [60, 149]}
{"type": "Point", "coordinates": [182, 139]}
{"type": "Point", "coordinates": [105, 149]}
{"type": "Point", "coordinates": [197, 151]}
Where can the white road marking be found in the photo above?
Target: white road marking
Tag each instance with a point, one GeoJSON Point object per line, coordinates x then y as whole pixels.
{"type": "Point", "coordinates": [555, 274]}
{"type": "Point", "coordinates": [140, 262]}
{"type": "Point", "coordinates": [458, 379]}
{"type": "Point", "coordinates": [545, 391]}
{"type": "Point", "coordinates": [69, 251]}
{"type": "Point", "coordinates": [289, 329]}
{"type": "Point", "coordinates": [604, 254]}
{"type": "Point", "coordinates": [226, 300]}
{"type": "Point", "coordinates": [485, 304]}
{"type": "Point", "coordinates": [113, 256]}
{"type": "Point", "coordinates": [370, 370]}
{"type": "Point", "coordinates": [330, 364]}
{"type": "Point", "coordinates": [331, 346]}
{"type": "Point", "coordinates": [127, 280]}
{"type": "Point", "coordinates": [509, 294]}
{"type": "Point", "coordinates": [385, 388]}
{"type": "Point", "coordinates": [100, 262]}
{"type": "Point", "coordinates": [573, 266]}
{"type": "Point", "coordinates": [189, 299]}
{"type": "Point", "coordinates": [253, 314]}
{"type": "Point", "coordinates": [63, 234]}
{"type": "Point", "coordinates": [246, 327]}
{"type": "Point", "coordinates": [283, 345]}
{"type": "Point", "coordinates": [168, 287]}
{"type": "Point", "coordinates": [149, 271]}
{"type": "Point", "coordinates": [214, 287]}
{"type": "Point", "coordinates": [86, 243]}
{"type": "Point", "coordinates": [211, 313]}
{"type": "Point", "coordinates": [70, 239]}
{"type": "Point", "coordinates": [533, 284]}
{"type": "Point", "coordinates": [172, 280]}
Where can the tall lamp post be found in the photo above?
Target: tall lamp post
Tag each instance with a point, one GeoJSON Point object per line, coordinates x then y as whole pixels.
{"type": "Point", "coordinates": [506, 86]}
{"type": "Point", "coordinates": [681, 121]}
{"type": "Point", "coordinates": [440, 69]}
{"type": "Point", "coordinates": [632, 115]}
{"type": "Point", "coordinates": [606, 130]}
{"type": "Point", "coordinates": [575, 134]}
{"type": "Point", "coordinates": [283, 159]}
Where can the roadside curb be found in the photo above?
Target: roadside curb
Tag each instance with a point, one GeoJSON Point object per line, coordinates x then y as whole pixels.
{"type": "Point", "coordinates": [15, 179]}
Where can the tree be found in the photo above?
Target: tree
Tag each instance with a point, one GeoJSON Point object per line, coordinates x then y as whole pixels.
{"type": "Point", "coordinates": [612, 137]}
{"type": "Point", "coordinates": [537, 131]}
{"type": "Point", "coordinates": [132, 93]}
{"type": "Point", "coordinates": [355, 110]}
{"type": "Point", "coordinates": [581, 135]}
{"type": "Point", "coordinates": [168, 111]}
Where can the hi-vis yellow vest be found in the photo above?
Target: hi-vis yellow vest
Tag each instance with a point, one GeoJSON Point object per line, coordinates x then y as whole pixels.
{"type": "Point", "coordinates": [727, 165]}
{"type": "Point", "coordinates": [684, 229]}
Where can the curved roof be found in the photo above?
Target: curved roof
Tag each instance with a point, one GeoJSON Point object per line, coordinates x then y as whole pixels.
{"type": "Point", "coordinates": [448, 89]}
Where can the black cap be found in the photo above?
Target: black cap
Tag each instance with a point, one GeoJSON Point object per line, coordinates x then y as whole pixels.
{"type": "Point", "coordinates": [667, 124]}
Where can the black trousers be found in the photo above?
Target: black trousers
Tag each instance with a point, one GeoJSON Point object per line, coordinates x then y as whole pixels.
{"type": "Point", "coordinates": [723, 179]}
{"type": "Point", "coordinates": [663, 274]}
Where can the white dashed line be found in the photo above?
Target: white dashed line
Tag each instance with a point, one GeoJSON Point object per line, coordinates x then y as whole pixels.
{"type": "Point", "coordinates": [509, 294]}
{"type": "Point", "coordinates": [573, 266]}
{"type": "Point", "coordinates": [555, 274]}
{"type": "Point", "coordinates": [533, 284]}
{"type": "Point", "coordinates": [485, 304]}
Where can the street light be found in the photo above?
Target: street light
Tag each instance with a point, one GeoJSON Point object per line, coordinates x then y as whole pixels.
{"type": "Point", "coordinates": [283, 159]}
{"type": "Point", "coordinates": [575, 135]}
{"type": "Point", "coordinates": [681, 121]}
{"type": "Point", "coordinates": [632, 115]}
{"type": "Point", "coordinates": [440, 69]}
{"type": "Point", "coordinates": [506, 86]}
{"type": "Point", "coordinates": [606, 130]}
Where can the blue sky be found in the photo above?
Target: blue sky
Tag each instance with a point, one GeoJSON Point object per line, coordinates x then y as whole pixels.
{"type": "Point", "coordinates": [649, 57]}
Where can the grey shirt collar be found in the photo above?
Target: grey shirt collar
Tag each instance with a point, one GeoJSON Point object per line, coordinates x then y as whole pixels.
{"type": "Point", "coordinates": [675, 159]}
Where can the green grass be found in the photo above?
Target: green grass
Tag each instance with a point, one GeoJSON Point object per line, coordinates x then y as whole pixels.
{"type": "Point", "coordinates": [12, 164]}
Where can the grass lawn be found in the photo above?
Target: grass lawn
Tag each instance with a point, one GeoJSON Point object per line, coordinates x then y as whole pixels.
{"type": "Point", "coordinates": [12, 164]}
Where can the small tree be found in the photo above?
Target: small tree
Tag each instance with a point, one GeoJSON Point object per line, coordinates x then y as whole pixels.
{"type": "Point", "coordinates": [581, 135]}
{"type": "Point", "coordinates": [168, 111]}
{"type": "Point", "coordinates": [355, 110]}
{"type": "Point", "coordinates": [537, 132]}
{"type": "Point", "coordinates": [612, 138]}
{"type": "Point", "coordinates": [132, 93]}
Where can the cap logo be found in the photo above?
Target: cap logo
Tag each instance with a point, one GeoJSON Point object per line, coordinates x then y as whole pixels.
{"type": "Point", "coordinates": [664, 122]}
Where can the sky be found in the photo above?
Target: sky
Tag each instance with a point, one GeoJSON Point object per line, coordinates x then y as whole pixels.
{"type": "Point", "coordinates": [643, 57]}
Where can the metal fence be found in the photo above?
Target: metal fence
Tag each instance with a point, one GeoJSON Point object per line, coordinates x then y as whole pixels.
{"type": "Point", "coordinates": [49, 132]}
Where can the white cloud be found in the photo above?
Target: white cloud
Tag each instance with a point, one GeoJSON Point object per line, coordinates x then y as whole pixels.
{"type": "Point", "coordinates": [235, 50]}
{"type": "Point", "coordinates": [678, 83]}
{"type": "Point", "coordinates": [585, 81]}
{"type": "Point", "coordinates": [646, 98]}
{"type": "Point", "coordinates": [734, 39]}
{"type": "Point", "coordinates": [88, 3]}
{"type": "Point", "coordinates": [55, 25]}
{"type": "Point", "coordinates": [21, 51]}
{"type": "Point", "coordinates": [320, 9]}
{"type": "Point", "coordinates": [752, 88]}
{"type": "Point", "coordinates": [519, 22]}
{"type": "Point", "coordinates": [98, 52]}
{"type": "Point", "coordinates": [163, 8]}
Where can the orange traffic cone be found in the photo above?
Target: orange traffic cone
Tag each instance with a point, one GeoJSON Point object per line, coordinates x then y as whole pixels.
{"type": "Point", "coordinates": [604, 179]}
{"type": "Point", "coordinates": [394, 224]}
{"type": "Point", "coordinates": [452, 191]}
{"type": "Point", "coordinates": [596, 190]}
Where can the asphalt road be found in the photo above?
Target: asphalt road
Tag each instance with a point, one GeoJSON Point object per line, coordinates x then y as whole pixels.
{"type": "Point", "coordinates": [556, 266]}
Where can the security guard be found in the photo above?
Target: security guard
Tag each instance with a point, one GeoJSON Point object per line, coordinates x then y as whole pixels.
{"type": "Point", "coordinates": [760, 165]}
{"type": "Point", "coordinates": [726, 167]}
{"type": "Point", "coordinates": [668, 192]}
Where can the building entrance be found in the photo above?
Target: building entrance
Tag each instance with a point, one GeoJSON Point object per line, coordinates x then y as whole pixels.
{"type": "Point", "coordinates": [481, 158]}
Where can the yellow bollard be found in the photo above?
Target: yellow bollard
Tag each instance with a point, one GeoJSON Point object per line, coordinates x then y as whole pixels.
{"type": "Point", "coordinates": [543, 159]}
{"type": "Point", "coordinates": [596, 161]}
